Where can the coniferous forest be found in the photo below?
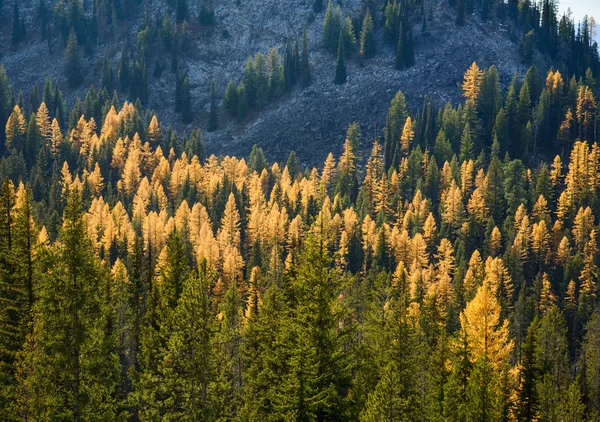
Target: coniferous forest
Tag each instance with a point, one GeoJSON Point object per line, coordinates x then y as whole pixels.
{"type": "Point", "coordinates": [444, 271]}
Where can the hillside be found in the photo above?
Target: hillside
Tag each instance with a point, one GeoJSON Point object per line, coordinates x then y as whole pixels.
{"type": "Point", "coordinates": [442, 264]}
{"type": "Point", "coordinates": [311, 121]}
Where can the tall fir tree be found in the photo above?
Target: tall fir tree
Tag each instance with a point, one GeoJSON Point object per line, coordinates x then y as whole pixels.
{"type": "Point", "coordinates": [340, 69]}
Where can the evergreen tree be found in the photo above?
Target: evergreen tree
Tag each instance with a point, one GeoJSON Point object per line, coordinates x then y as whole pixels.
{"type": "Point", "coordinates": [367, 37]}
{"type": "Point", "coordinates": [304, 66]}
{"type": "Point", "coordinates": [466, 145]}
{"type": "Point", "coordinates": [181, 11]}
{"type": "Point", "coordinates": [207, 12]}
{"type": "Point", "coordinates": [108, 78]}
{"type": "Point", "coordinates": [349, 37]}
{"type": "Point", "coordinates": [189, 367]}
{"type": "Point", "coordinates": [527, 400]}
{"type": "Point", "coordinates": [73, 65]}
{"type": "Point", "coordinates": [186, 101]}
{"type": "Point", "coordinates": [340, 69]}
{"type": "Point", "coordinates": [460, 13]}
{"type": "Point", "coordinates": [213, 118]}
{"type": "Point", "coordinates": [230, 100]}
{"type": "Point", "coordinates": [17, 30]}
{"type": "Point", "coordinates": [242, 102]}
{"type": "Point", "coordinates": [395, 122]}
{"type": "Point", "coordinates": [69, 362]}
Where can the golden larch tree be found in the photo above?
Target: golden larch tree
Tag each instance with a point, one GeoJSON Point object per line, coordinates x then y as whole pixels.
{"type": "Point", "coordinates": [472, 83]}
{"type": "Point", "coordinates": [487, 335]}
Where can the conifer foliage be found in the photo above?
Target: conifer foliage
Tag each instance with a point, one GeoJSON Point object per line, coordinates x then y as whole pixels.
{"type": "Point", "coordinates": [451, 274]}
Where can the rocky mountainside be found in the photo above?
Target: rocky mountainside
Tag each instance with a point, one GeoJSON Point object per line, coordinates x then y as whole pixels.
{"type": "Point", "coordinates": [311, 121]}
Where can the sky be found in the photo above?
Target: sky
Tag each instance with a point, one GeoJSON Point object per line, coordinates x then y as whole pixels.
{"type": "Point", "coordinates": [580, 8]}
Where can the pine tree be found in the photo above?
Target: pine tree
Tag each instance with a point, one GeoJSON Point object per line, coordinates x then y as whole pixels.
{"type": "Point", "coordinates": [527, 400]}
{"type": "Point", "coordinates": [213, 118]}
{"type": "Point", "coordinates": [190, 363]}
{"type": "Point", "coordinates": [242, 102]}
{"type": "Point", "coordinates": [396, 118]}
{"type": "Point", "coordinates": [17, 32]}
{"type": "Point", "coordinates": [181, 11]}
{"type": "Point", "coordinates": [466, 145]}
{"type": "Point", "coordinates": [340, 69]}
{"type": "Point", "coordinates": [367, 37]}
{"type": "Point", "coordinates": [349, 37]}
{"type": "Point", "coordinates": [186, 101]}
{"type": "Point", "coordinates": [460, 13]}
{"type": "Point", "coordinates": [304, 66]}
{"type": "Point", "coordinates": [73, 65]}
{"type": "Point", "coordinates": [400, 58]}
{"type": "Point", "coordinates": [108, 78]}
{"type": "Point", "coordinates": [68, 361]}
{"type": "Point", "coordinates": [207, 12]}
{"type": "Point", "coordinates": [330, 31]}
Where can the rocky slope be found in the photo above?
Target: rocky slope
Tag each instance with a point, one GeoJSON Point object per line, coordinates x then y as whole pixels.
{"type": "Point", "coordinates": [311, 121]}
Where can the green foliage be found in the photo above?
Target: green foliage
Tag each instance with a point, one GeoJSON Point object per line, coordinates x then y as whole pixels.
{"type": "Point", "coordinates": [186, 101]}
{"type": "Point", "coordinates": [396, 117]}
{"type": "Point", "coordinates": [70, 360]}
{"type": "Point", "coordinates": [367, 37]}
{"type": "Point", "coordinates": [73, 64]}
{"type": "Point", "coordinates": [213, 117]}
{"type": "Point", "coordinates": [340, 69]}
{"type": "Point", "coordinates": [460, 13]}
{"type": "Point", "coordinates": [304, 66]}
{"type": "Point", "coordinates": [207, 12]}
{"type": "Point", "coordinates": [332, 26]}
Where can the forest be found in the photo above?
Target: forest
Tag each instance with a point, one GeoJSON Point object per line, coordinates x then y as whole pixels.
{"type": "Point", "coordinates": [441, 280]}
{"type": "Point", "coordinates": [444, 268]}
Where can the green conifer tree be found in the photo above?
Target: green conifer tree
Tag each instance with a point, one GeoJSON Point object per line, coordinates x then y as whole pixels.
{"type": "Point", "coordinates": [69, 362]}
{"type": "Point", "coordinates": [367, 37]}
{"type": "Point", "coordinates": [340, 69]}
{"type": "Point", "coordinates": [186, 101]}
{"type": "Point", "coordinates": [73, 64]}
{"type": "Point", "coordinates": [304, 65]}
{"type": "Point", "coordinates": [213, 117]}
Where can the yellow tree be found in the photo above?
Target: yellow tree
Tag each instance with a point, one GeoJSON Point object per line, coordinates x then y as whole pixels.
{"type": "Point", "coordinates": [589, 274]}
{"type": "Point", "coordinates": [586, 109]}
{"type": "Point", "coordinates": [373, 170]}
{"type": "Point", "coordinates": [43, 122]}
{"type": "Point", "coordinates": [452, 207]}
{"type": "Point", "coordinates": [547, 297]}
{"type": "Point", "coordinates": [327, 176]}
{"type": "Point", "coordinates": [57, 137]}
{"type": "Point", "coordinates": [487, 335]}
{"type": "Point", "coordinates": [474, 275]}
{"type": "Point", "coordinates": [131, 171]}
{"type": "Point", "coordinates": [472, 83]}
{"type": "Point", "coordinates": [540, 210]}
{"type": "Point", "coordinates": [15, 128]}
{"type": "Point", "coordinates": [347, 167]}
{"type": "Point", "coordinates": [229, 234]}
{"type": "Point", "coordinates": [408, 134]}
{"type": "Point", "coordinates": [556, 172]}
{"type": "Point", "coordinates": [154, 132]}
{"type": "Point", "coordinates": [495, 242]}
{"type": "Point", "coordinates": [444, 273]}
{"type": "Point", "coordinates": [499, 280]}
{"type": "Point", "coordinates": [540, 241]}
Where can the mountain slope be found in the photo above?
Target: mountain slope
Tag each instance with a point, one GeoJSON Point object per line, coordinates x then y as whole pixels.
{"type": "Point", "coordinates": [308, 120]}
